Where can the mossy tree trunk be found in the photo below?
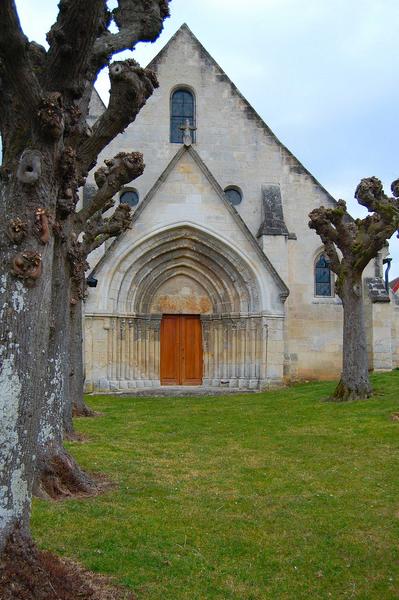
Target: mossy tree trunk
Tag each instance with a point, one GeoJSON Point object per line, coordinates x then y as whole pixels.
{"type": "Point", "coordinates": [354, 383]}
{"type": "Point", "coordinates": [48, 150]}
{"type": "Point", "coordinates": [57, 473]}
{"type": "Point", "coordinates": [25, 280]}
{"type": "Point", "coordinates": [350, 245]}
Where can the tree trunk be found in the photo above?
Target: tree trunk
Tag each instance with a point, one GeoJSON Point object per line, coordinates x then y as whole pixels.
{"type": "Point", "coordinates": [25, 303]}
{"type": "Point", "coordinates": [76, 381]}
{"type": "Point", "coordinates": [57, 473]}
{"type": "Point", "coordinates": [354, 383]}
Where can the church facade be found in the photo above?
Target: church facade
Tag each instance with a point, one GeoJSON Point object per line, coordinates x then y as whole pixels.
{"type": "Point", "coordinates": [219, 282]}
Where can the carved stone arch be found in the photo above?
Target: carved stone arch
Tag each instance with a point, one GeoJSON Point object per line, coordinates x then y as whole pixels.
{"type": "Point", "coordinates": [144, 302]}
{"type": "Point", "coordinates": [229, 298]}
{"type": "Point", "coordinates": [237, 287]}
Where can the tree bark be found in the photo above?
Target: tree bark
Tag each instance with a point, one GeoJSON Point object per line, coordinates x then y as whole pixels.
{"type": "Point", "coordinates": [354, 383]}
{"type": "Point", "coordinates": [25, 303]}
{"type": "Point", "coordinates": [76, 380]}
{"type": "Point", "coordinates": [57, 473]}
{"type": "Point", "coordinates": [358, 241]}
{"type": "Point", "coordinates": [44, 98]}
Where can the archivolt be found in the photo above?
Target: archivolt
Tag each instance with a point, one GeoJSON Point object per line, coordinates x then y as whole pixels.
{"type": "Point", "coordinates": [227, 278]}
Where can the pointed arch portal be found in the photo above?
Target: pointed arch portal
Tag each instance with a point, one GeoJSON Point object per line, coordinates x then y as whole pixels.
{"type": "Point", "coordinates": [179, 278]}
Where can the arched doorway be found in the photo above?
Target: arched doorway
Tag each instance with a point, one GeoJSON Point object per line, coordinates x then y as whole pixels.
{"type": "Point", "coordinates": [181, 285]}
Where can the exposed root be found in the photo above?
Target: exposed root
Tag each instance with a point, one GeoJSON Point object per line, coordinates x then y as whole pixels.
{"type": "Point", "coordinates": [82, 410]}
{"type": "Point", "coordinates": [76, 437]}
{"type": "Point", "coordinates": [28, 574]}
{"type": "Point", "coordinates": [344, 393]}
{"type": "Point", "coordinates": [59, 476]}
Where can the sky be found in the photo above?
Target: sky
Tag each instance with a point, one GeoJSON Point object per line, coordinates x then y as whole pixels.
{"type": "Point", "coordinates": [321, 73]}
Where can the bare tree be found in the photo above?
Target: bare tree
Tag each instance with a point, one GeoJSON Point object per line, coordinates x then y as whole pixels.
{"type": "Point", "coordinates": [350, 244]}
{"type": "Point", "coordinates": [48, 150]}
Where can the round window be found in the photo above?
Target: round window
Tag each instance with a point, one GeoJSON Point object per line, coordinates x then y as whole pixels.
{"type": "Point", "coordinates": [233, 195]}
{"type": "Point", "coordinates": [129, 197]}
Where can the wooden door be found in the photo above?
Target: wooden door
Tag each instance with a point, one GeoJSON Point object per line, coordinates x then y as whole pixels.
{"type": "Point", "coordinates": [181, 350]}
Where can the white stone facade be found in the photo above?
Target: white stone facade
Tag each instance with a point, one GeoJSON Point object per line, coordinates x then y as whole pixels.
{"type": "Point", "coordinates": [191, 252]}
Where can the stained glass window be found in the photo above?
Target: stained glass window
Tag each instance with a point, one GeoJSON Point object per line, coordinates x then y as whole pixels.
{"type": "Point", "coordinates": [182, 108]}
{"type": "Point", "coordinates": [323, 277]}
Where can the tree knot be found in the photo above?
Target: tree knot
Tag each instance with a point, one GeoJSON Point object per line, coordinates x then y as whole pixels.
{"type": "Point", "coordinates": [369, 193]}
{"type": "Point", "coordinates": [120, 170]}
{"type": "Point", "coordinates": [41, 227]}
{"type": "Point", "coordinates": [17, 230]}
{"type": "Point", "coordinates": [29, 167]}
{"type": "Point", "coordinates": [27, 266]}
{"type": "Point", "coordinates": [51, 115]}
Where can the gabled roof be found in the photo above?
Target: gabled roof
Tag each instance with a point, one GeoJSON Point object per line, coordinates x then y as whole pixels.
{"type": "Point", "coordinates": [394, 285]}
{"type": "Point", "coordinates": [220, 193]}
{"type": "Point", "coordinates": [153, 64]}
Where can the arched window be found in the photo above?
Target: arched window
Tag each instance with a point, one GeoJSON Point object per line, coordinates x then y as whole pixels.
{"type": "Point", "coordinates": [182, 108]}
{"type": "Point", "coordinates": [129, 196]}
{"type": "Point", "coordinates": [233, 195]}
{"type": "Point", "coordinates": [322, 276]}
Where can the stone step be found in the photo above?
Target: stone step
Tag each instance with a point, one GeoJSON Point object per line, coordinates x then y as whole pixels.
{"type": "Point", "coordinates": [181, 391]}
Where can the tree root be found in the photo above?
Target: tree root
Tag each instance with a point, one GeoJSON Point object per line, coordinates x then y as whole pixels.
{"type": "Point", "coordinates": [344, 393]}
{"type": "Point", "coordinates": [28, 574]}
{"type": "Point", "coordinates": [58, 476]}
{"type": "Point", "coordinates": [82, 410]}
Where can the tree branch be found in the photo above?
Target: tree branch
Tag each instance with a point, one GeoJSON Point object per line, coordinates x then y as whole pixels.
{"type": "Point", "coordinates": [118, 172]}
{"type": "Point", "coordinates": [359, 240]}
{"type": "Point", "coordinates": [320, 222]}
{"type": "Point", "coordinates": [131, 86]}
{"type": "Point", "coordinates": [137, 21]}
{"type": "Point", "coordinates": [375, 229]}
{"type": "Point", "coordinates": [18, 78]}
{"type": "Point", "coordinates": [99, 229]}
{"type": "Point", "coordinates": [71, 40]}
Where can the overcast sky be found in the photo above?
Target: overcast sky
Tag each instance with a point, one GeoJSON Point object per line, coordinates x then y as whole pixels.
{"type": "Point", "coordinates": [323, 74]}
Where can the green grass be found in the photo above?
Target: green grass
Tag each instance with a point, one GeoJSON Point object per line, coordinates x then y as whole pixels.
{"type": "Point", "coordinates": [275, 495]}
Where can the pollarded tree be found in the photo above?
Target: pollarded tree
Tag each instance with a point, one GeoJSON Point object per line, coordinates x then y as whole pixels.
{"type": "Point", "coordinates": [350, 244]}
{"type": "Point", "coordinates": [48, 150]}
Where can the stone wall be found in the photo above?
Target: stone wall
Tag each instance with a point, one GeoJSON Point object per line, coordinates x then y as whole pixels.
{"type": "Point", "coordinates": [236, 148]}
{"type": "Point", "coordinates": [240, 351]}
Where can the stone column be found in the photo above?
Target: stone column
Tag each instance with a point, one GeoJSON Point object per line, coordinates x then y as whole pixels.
{"type": "Point", "coordinates": [263, 353]}
{"type": "Point", "coordinates": [234, 359]}
{"type": "Point", "coordinates": [155, 349]}
{"type": "Point", "coordinates": [206, 347]}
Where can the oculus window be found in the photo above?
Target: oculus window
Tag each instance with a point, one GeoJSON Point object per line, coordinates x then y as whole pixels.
{"type": "Point", "coordinates": [130, 197]}
{"type": "Point", "coordinates": [182, 108]}
{"type": "Point", "coordinates": [233, 195]}
{"type": "Point", "coordinates": [322, 276]}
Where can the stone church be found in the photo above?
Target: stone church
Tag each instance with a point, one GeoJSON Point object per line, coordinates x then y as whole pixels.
{"type": "Point", "coordinates": [219, 282]}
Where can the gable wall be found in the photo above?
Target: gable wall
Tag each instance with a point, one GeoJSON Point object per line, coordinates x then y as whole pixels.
{"type": "Point", "coordinates": [239, 150]}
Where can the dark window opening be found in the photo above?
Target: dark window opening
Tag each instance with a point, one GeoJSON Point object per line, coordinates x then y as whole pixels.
{"type": "Point", "coordinates": [233, 195]}
{"type": "Point", "coordinates": [182, 108]}
{"type": "Point", "coordinates": [129, 197]}
{"type": "Point", "coordinates": [323, 285]}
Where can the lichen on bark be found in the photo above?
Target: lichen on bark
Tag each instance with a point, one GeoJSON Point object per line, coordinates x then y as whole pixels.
{"type": "Point", "coordinates": [48, 150]}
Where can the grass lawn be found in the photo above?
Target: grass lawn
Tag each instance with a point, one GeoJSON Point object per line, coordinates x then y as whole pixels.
{"type": "Point", "coordinates": [264, 496]}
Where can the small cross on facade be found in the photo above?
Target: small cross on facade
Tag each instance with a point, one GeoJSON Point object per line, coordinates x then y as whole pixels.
{"type": "Point", "coordinates": [187, 129]}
